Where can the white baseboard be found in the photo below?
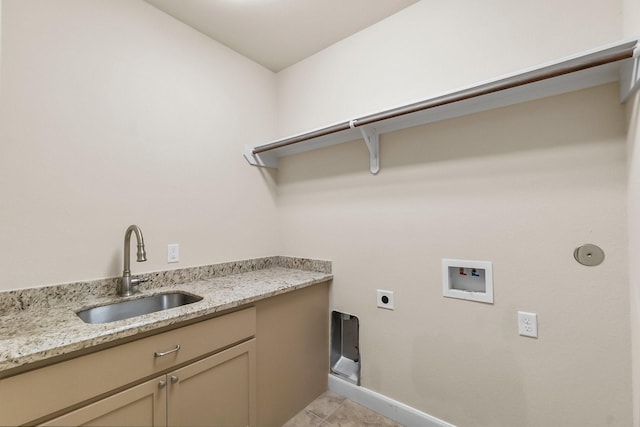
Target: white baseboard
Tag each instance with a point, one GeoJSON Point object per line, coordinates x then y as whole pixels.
{"type": "Point", "coordinates": [398, 412]}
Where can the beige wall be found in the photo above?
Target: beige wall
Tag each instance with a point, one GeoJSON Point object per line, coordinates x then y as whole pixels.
{"type": "Point", "coordinates": [0, 47]}
{"type": "Point", "coordinates": [519, 186]}
{"type": "Point", "coordinates": [114, 113]}
{"type": "Point", "coordinates": [633, 140]}
{"type": "Point", "coordinates": [631, 18]}
{"type": "Point", "coordinates": [434, 47]}
{"type": "Point", "coordinates": [631, 26]}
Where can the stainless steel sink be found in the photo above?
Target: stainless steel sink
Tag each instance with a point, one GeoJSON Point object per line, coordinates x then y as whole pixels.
{"type": "Point", "coordinates": [137, 307]}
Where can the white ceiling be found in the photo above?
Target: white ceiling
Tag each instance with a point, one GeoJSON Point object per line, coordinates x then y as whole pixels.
{"type": "Point", "coordinates": [279, 33]}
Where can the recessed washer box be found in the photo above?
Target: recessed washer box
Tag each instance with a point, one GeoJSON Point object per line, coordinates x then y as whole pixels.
{"type": "Point", "coordinates": [470, 280]}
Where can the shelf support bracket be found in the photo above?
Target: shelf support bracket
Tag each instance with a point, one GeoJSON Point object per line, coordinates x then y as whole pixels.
{"type": "Point", "coordinates": [630, 76]}
{"type": "Point", "coordinates": [372, 139]}
{"type": "Point", "coordinates": [265, 160]}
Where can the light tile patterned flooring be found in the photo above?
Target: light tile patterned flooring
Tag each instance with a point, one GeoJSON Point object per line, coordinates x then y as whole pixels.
{"type": "Point", "coordinates": [333, 410]}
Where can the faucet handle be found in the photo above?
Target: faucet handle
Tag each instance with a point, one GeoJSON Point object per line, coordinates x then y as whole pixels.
{"type": "Point", "coordinates": [137, 280]}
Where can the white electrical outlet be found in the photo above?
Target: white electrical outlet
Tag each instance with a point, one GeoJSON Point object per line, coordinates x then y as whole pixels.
{"type": "Point", "coordinates": [528, 324]}
{"type": "Point", "coordinates": [173, 252]}
{"type": "Point", "coordinates": [385, 299]}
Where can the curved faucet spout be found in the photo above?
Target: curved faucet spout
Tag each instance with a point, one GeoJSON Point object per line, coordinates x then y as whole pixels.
{"type": "Point", "coordinates": [142, 254]}
{"type": "Point", "coordinates": [125, 287]}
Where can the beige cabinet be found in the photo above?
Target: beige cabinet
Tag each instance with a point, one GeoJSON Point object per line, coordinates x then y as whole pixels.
{"type": "Point", "coordinates": [293, 352]}
{"type": "Point", "coordinates": [218, 391]}
{"type": "Point", "coordinates": [143, 405]}
{"type": "Point", "coordinates": [215, 372]}
{"type": "Point", "coordinates": [132, 382]}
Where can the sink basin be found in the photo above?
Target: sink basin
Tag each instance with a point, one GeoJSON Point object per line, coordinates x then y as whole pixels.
{"type": "Point", "coordinates": [137, 307]}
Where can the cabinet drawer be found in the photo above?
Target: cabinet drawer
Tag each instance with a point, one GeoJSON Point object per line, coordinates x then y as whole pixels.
{"type": "Point", "coordinates": [43, 391]}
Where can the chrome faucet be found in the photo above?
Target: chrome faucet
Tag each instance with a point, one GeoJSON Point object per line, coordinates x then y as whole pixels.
{"type": "Point", "coordinates": [126, 283]}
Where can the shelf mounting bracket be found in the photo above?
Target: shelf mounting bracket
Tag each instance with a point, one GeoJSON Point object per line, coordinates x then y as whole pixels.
{"type": "Point", "coordinates": [630, 76]}
{"type": "Point", "coordinates": [265, 160]}
{"type": "Point", "coordinates": [372, 139]}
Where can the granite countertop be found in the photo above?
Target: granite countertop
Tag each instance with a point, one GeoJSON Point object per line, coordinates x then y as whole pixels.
{"type": "Point", "coordinates": [33, 332]}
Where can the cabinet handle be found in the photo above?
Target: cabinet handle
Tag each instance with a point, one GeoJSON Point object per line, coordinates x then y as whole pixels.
{"type": "Point", "coordinates": [164, 353]}
{"type": "Point", "coordinates": [174, 379]}
{"type": "Point", "coordinates": [162, 383]}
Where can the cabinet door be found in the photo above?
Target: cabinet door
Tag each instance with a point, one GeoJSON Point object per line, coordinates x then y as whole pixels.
{"type": "Point", "coordinates": [142, 405]}
{"type": "Point", "coordinates": [219, 391]}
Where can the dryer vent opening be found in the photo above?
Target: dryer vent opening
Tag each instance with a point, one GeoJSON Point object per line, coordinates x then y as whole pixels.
{"type": "Point", "coordinates": [345, 350]}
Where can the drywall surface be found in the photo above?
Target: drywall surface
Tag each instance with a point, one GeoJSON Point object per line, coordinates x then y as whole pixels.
{"type": "Point", "coordinates": [0, 47]}
{"type": "Point", "coordinates": [633, 143]}
{"type": "Point", "coordinates": [114, 113]}
{"type": "Point", "coordinates": [631, 27]}
{"type": "Point", "coordinates": [434, 47]}
{"type": "Point", "coordinates": [520, 186]}
{"type": "Point", "coordinates": [631, 18]}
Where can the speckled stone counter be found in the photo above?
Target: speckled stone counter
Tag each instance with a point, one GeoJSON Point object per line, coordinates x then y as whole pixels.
{"type": "Point", "coordinates": [41, 323]}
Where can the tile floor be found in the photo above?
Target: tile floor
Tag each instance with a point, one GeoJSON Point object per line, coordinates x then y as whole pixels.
{"type": "Point", "coordinates": [333, 410]}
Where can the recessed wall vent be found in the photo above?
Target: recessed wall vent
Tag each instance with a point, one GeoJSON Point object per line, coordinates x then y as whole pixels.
{"type": "Point", "coordinates": [345, 350]}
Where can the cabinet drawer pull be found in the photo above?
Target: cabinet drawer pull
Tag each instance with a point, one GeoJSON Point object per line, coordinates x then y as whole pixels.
{"type": "Point", "coordinates": [162, 383]}
{"type": "Point", "coordinates": [164, 353]}
{"type": "Point", "coordinates": [174, 379]}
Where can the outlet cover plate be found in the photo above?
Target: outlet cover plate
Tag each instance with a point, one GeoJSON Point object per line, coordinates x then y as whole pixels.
{"type": "Point", "coordinates": [528, 324]}
{"type": "Point", "coordinates": [173, 253]}
{"type": "Point", "coordinates": [385, 299]}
